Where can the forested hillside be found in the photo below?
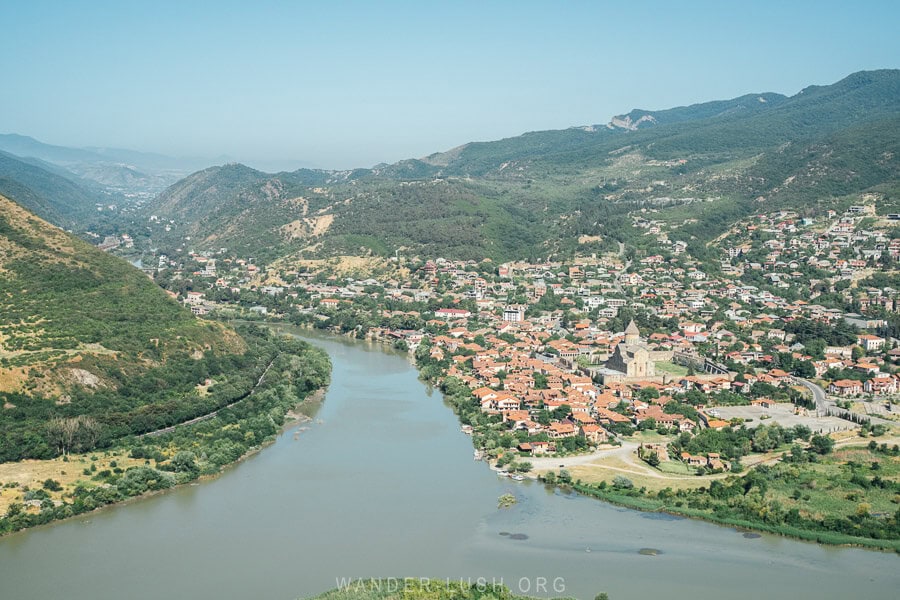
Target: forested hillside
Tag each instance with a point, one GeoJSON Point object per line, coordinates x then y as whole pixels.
{"type": "Point", "coordinates": [45, 192]}
{"type": "Point", "coordinates": [536, 194]}
{"type": "Point", "coordinates": [91, 349]}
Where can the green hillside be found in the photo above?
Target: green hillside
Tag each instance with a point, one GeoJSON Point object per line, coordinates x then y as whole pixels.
{"type": "Point", "coordinates": [84, 335]}
{"type": "Point", "coordinates": [45, 192]}
{"type": "Point", "coordinates": [535, 194]}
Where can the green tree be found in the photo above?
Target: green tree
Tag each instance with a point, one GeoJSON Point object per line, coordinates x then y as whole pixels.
{"type": "Point", "coordinates": [805, 369]}
{"type": "Point", "coordinates": [821, 444]}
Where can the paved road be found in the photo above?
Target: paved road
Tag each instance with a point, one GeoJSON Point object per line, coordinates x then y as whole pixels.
{"type": "Point", "coordinates": [825, 406]}
{"type": "Point", "coordinates": [818, 395]}
{"type": "Point", "coordinates": [616, 283]}
{"type": "Point", "coordinates": [553, 462]}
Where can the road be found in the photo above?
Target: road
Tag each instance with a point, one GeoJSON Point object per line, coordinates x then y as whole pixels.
{"type": "Point", "coordinates": [616, 283]}
{"type": "Point", "coordinates": [818, 395]}
{"type": "Point", "coordinates": [824, 406]}
{"type": "Point", "coordinates": [212, 414]}
{"type": "Point", "coordinates": [552, 462]}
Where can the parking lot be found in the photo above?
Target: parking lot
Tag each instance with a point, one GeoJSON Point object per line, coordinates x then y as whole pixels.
{"type": "Point", "coordinates": [782, 414]}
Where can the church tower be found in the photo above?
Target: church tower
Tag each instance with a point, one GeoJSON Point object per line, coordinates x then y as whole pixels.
{"type": "Point", "coordinates": [632, 334]}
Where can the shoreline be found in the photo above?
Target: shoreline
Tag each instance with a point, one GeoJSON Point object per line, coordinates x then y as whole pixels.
{"type": "Point", "coordinates": [292, 418]}
{"type": "Point", "coordinates": [639, 503]}
{"type": "Point", "coordinates": [803, 535]}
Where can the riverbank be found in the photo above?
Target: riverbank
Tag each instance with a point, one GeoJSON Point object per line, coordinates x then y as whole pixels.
{"type": "Point", "coordinates": [389, 464]}
{"type": "Point", "coordinates": [834, 501]}
{"type": "Point", "coordinates": [645, 503]}
{"type": "Point", "coordinates": [854, 481]}
{"type": "Point", "coordinates": [43, 491]}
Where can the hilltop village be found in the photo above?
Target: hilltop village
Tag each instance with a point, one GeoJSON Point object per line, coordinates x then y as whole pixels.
{"type": "Point", "coordinates": [564, 357]}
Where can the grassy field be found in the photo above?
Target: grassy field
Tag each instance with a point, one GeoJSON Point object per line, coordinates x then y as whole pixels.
{"type": "Point", "coordinates": [851, 496]}
{"type": "Point", "coordinates": [639, 473]}
{"type": "Point", "coordinates": [671, 368]}
{"type": "Point", "coordinates": [675, 467]}
{"type": "Point", "coordinates": [829, 488]}
{"type": "Point", "coordinates": [17, 478]}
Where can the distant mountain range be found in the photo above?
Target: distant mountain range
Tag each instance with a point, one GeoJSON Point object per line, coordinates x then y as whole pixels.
{"type": "Point", "coordinates": [532, 195]}
{"type": "Point", "coordinates": [47, 190]}
{"type": "Point", "coordinates": [535, 193]}
{"type": "Point", "coordinates": [128, 172]}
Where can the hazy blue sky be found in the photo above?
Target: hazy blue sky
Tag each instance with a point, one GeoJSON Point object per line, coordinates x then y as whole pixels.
{"type": "Point", "coordinates": [345, 84]}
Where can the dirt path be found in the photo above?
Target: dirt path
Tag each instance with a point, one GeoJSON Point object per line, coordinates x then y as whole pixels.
{"type": "Point", "coordinates": [624, 459]}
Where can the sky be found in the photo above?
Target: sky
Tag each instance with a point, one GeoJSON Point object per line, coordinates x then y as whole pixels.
{"type": "Point", "coordinates": [336, 84]}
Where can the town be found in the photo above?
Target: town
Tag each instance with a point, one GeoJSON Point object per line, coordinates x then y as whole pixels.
{"type": "Point", "coordinates": [621, 355]}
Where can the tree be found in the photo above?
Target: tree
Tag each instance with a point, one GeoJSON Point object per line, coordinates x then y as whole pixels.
{"type": "Point", "coordinates": [821, 444]}
{"type": "Point", "coordinates": [184, 461]}
{"type": "Point", "coordinates": [647, 424]}
{"type": "Point", "coordinates": [804, 369]}
{"type": "Point", "coordinates": [653, 459]}
{"type": "Point", "coordinates": [802, 432]}
{"type": "Point", "coordinates": [762, 441]}
{"type": "Point", "coordinates": [622, 482]}
{"type": "Point", "coordinates": [79, 433]}
{"type": "Point", "coordinates": [561, 412]}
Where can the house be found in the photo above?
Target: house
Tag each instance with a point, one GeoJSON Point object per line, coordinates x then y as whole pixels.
{"type": "Point", "coordinates": [609, 417]}
{"type": "Point", "coordinates": [506, 402]}
{"type": "Point", "coordinates": [881, 385]}
{"type": "Point", "coordinates": [594, 433]}
{"type": "Point", "coordinates": [686, 425]}
{"type": "Point", "coordinates": [717, 423]}
{"type": "Point", "coordinates": [715, 462]}
{"type": "Point", "coordinates": [536, 448]}
{"type": "Point", "coordinates": [845, 387]}
{"type": "Point", "coordinates": [870, 343]}
{"type": "Point", "coordinates": [561, 430]}
{"type": "Point", "coordinates": [452, 313]}
{"type": "Point", "coordinates": [694, 460]}
{"type": "Point", "coordinates": [518, 418]}
{"type": "Point", "coordinates": [661, 450]}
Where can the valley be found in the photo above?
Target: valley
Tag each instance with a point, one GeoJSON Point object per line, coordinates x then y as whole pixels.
{"type": "Point", "coordinates": [692, 312]}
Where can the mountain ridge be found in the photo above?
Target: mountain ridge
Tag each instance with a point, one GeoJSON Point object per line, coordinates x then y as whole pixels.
{"type": "Point", "coordinates": [524, 194]}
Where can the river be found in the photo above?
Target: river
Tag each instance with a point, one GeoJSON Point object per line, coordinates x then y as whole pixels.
{"type": "Point", "coordinates": [385, 485]}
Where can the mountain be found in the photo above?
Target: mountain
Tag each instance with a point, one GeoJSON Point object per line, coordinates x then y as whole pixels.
{"type": "Point", "coordinates": [124, 171]}
{"type": "Point", "coordinates": [720, 130]}
{"type": "Point", "coordinates": [260, 209]}
{"type": "Point", "coordinates": [538, 193]}
{"type": "Point", "coordinates": [40, 188]}
{"type": "Point", "coordinates": [87, 337]}
{"type": "Point", "coordinates": [750, 103]}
